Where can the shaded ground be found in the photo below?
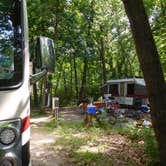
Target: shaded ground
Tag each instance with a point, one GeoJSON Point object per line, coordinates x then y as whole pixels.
{"type": "Point", "coordinates": [69, 115]}
{"type": "Point", "coordinates": [42, 153]}
{"type": "Point", "coordinates": [42, 139]}
{"type": "Point", "coordinates": [50, 148]}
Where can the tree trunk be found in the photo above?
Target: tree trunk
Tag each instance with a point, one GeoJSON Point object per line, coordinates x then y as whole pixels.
{"type": "Point", "coordinates": [35, 94]}
{"type": "Point", "coordinates": [43, 92]}
{"type": "Point", "coordinates": [64, 81]}
{"type": "Point", "coordinates": [58, 79]}
{"type": "Point", "coordinates": [82, 94]}
{"type": "Point", "coordinates": [76, 78]}
{"type": "Point", "coordinates": [102, 56]}
{"type": "Point", "coordinates": [152, 71]}
{"type": "Point", "coordinates": [71, 76]}
{"type": "Point", "coordinates": [48, 96]}
{"type": "Point", "coordinates": [57, 84]}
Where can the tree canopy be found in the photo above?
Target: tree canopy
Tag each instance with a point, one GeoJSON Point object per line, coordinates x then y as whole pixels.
{"type": "Point", "coordinates": [93, 42]}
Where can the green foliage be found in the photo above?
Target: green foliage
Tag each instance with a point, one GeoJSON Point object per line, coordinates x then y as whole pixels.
{"type": "Point", "coordinates": [84, 29]}
{"type": "Point", "coordinates": [157, 15]}
{"type": "Point", "coordinates": [143, 134]}
{"type": "Point", "coordinates": [151, 146]}
{"type": "Point", "coordinates": [88, 158]}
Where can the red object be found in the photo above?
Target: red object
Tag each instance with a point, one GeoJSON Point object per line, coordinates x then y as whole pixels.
{"type": "Point", "coordinates": [25, 123]}
{"type": "Point", "coordinates": [99, 104]}
{"type": "Point", "coordinates": [116, 106]}
{"type": "Point", "coordinates": [84, 105]}
{"type": "Point", "coordinates": [136, 95]}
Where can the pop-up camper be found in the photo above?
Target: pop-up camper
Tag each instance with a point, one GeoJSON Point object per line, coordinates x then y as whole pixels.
{"type": "Point", "coordinates": [127, 92]}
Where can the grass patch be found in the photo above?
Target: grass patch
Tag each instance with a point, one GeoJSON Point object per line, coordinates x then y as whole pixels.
{"type": "Point", "coordinates": [71, 143]}
{"type": "Point", "coordinates": [142, 134]}
{"type": "Point", "coordinates": [83, 144]}
{"type": "Point", "coordinates": [73, 147]}
{"type": "Point", "coordinates": [68, 127]}
{"type": "Point", "coordinates": [89, 158]}
{"type": "Point", "coordinates": [37, 113]}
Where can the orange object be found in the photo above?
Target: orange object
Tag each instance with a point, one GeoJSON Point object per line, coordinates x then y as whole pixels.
{"type": "Point", "coordinates": [83, 105]}
{"type": "Point", "coordinates": [99, 104]}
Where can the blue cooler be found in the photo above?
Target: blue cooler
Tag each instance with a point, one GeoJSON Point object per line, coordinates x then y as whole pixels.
{"type": "Point", "coordinates": [145, 108]}
{"type": "Point", "coordinates": [91, 109]}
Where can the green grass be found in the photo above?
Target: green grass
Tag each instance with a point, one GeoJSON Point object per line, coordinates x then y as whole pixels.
{"type": "Point", "coordinates": [71, 145]}
{"type": "Point", "coordinates": [37, 113]}
{"type": "Point", "coordinates": [89, 158]}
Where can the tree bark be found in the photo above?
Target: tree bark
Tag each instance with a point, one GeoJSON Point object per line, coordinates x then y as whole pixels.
{"type": "Point", "coordinates": [35, 94]}
{"type": "Point", "coordinates": [64, 80]}
{"type": "Point", "coordinates": [57, 84]}
{"type": "Point", "coordinates": [82, 94]}
{"type": "Point", "coordinates": [58, 79]}
{"type": "Point", "coordinates": [102, 56]}
{"type": "Point", "coordinates": [71, 76]}
{"type": "Point", "coordinates": [76, 78]}
{"type": "Point", "coordinates": [43, 92]}
{"type": "Point", "coordinates": [152, 71]}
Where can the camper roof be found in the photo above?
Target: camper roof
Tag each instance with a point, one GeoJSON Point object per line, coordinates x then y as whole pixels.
{"type": "Point", "coordinates": [139, 81]}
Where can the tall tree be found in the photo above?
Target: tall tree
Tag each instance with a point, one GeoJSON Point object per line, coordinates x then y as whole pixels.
{"type": "Point", "coordinates": [75, 76]}
{"type": "Point", "coordinates": [102, 56]}
{"type": "Point", "coordinates": [83, 92]}
{"type": "Point", "coordinates": [151, 67]}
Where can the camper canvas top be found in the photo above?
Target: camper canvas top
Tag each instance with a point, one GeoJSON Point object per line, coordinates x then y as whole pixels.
{"type": "Point", "coordinates": [139, 81]}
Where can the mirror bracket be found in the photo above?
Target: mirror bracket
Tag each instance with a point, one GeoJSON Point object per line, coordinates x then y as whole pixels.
{"type": "Point", "coordinates": [36, 77]}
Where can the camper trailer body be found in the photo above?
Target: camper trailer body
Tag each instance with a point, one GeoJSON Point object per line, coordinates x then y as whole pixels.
{"type": "Point", "coordinates": [127, 92]}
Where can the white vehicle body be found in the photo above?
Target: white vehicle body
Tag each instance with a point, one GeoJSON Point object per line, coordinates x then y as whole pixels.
{"type": "Point", "coordinates": [15, 97]}
{"type": "Point", "coordinates": [15, 81]}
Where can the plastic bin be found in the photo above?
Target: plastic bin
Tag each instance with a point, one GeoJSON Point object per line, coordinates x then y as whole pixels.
{"type": "Point", "coordinates": [91, 109]}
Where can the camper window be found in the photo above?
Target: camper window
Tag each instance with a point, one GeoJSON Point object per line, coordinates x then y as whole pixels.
{"type": "Point", "coordinates": [130, 89]}
{"type": "Point", "coordinates": [113, 89]}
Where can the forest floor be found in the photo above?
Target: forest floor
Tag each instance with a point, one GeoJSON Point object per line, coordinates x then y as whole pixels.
{"type": "Point", "coordinates": [42, 153]}
{"type": "Point", "coordinates": [68, 145]}
{"type": "Point", "coordinates": [42, 139]}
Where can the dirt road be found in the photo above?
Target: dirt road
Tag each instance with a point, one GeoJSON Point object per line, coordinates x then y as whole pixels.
{"type": "Point", "coordinates": [42, 139]}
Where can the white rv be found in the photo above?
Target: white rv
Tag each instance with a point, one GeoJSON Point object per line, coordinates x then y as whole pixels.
{"type": "Point", "coordinates": [15, 80]}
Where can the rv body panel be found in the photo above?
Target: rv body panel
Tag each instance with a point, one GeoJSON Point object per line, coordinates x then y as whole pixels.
{"type": "Point", "coordinates": [15, 99]}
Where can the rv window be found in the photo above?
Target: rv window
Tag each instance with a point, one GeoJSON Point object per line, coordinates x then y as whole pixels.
{"type": "Point", "coordinates": [11, 58]}
{"type": "Point", "coordinates": [130, 89]}
{"type": "Point", "coordinates": [113, 89]}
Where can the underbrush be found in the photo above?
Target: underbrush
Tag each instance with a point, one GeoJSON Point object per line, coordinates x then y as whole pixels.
{"type": "Point", "coordinates": [145, 135]}
{"type": "Point", "coordinates": [105, 144]}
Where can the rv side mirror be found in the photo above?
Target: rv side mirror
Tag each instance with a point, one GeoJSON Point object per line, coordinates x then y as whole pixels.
{"type": "Point", "coordinates": [45, 54]}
